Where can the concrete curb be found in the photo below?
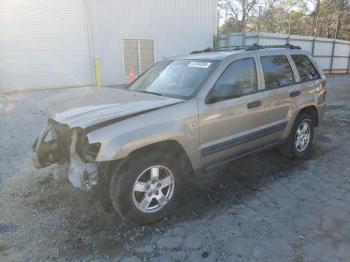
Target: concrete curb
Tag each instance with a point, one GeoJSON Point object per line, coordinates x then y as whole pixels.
{"type": "Point", "coordinates": [25, 90]}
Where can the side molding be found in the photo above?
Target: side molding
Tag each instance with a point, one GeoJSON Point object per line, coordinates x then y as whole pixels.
{"type": "Point", "coordinates": [243, 139]}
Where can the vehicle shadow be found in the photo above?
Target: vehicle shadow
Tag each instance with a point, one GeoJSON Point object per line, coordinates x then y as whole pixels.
{"type": "Point", "coordinates": [208, 193]}
{"type": "Point", "coordinates": [234, 183]}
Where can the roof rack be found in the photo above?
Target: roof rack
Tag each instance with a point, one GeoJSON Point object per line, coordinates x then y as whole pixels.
{"type": "Point", "coordinates": [230, 48]}
{"type": "Point", "coordinates": [257, 47]}
{"type": "Point", "coordinates": [227, 48]}
{"type": "Point", "coordinates": [247, 48]}
{"type": "Point", "coordinates": [208, 49]}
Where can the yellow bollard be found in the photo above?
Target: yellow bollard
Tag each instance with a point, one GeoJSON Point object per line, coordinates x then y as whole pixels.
{"type": "Point", "coordinates": [98, 70]}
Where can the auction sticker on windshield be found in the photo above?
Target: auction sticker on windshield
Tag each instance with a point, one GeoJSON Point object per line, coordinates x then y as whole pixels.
{"type": "Point", "coordinates": [199, 64]}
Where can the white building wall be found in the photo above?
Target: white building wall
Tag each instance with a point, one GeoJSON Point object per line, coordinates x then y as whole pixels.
{"type": "Point", "coordinates": [176, 26]}
{"type": "Point", "coordinates": [44, 44]}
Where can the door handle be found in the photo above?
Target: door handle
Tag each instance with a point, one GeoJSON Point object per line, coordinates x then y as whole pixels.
{"type": "Point", "coordinates": [295, 93]}
{"type": "Point", "coordinates": [254, 104]}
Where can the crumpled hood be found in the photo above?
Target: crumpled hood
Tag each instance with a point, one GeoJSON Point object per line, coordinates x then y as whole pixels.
{"type": "Point", "coordinates": [86, 107]}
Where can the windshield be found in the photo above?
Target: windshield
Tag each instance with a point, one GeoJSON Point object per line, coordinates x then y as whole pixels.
{"type": "Point", "coordinates": [178, 78]}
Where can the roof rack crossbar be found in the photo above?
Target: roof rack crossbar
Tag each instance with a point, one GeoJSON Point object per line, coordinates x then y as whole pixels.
{"type": "Point", "coordinates": [257, 47]}
{"type": "Point", "coordinates": [227, 48]}
{"type": "Point", "coordinates": [208, 49]}
{"type": "Point", "coordinates": [231, 47]}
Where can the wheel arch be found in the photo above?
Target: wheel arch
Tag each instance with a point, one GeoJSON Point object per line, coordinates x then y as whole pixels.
{"type": "Point", "coordinates": [312, 111]}
{"type": "Point", "coordinates": [309, 109]}
{"type": "Point", "coordinates": [168, 146]}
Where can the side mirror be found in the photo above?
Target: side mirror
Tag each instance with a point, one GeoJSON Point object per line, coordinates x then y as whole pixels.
{"type": "Point", "coordinates": [223, 92]}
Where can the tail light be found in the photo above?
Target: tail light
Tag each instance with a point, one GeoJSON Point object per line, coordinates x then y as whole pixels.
{"type": "Point", "coordinates": [324, 86]}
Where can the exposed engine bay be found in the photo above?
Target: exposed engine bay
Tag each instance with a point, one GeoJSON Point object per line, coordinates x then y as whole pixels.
{"type": "Point", "coordinates": [71, 141]}
{"type": "Point", "coordinates": [68, 148]}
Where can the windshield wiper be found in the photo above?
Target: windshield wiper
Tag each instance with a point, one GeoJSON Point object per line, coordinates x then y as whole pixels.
{"type": "Point", "coordinates": [148, 92]}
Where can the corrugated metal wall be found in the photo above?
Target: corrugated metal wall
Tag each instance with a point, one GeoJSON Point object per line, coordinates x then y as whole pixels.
{"type": "Point", "coordinates": [47, 44]}
{"type": "Point", "coordinates": [335, 59]}
{"type": "Point", "coordinates": [44, 44]}
{"type": "Point", "coordinates": [176, 27]}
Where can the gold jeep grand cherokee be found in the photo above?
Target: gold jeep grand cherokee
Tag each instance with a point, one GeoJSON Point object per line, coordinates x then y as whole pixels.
{"type": "Point", "coordinates": [183, 115]}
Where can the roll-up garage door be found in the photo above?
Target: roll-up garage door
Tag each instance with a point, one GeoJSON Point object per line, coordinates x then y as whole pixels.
{"type": "Point", "coordinates": [44, 44]}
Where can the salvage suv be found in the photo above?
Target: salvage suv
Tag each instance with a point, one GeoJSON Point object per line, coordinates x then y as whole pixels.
{"type": "Point", "coordinates": [186, 114]}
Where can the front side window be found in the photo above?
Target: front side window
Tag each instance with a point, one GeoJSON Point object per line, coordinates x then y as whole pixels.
{"type": "Point", "coordinates": [178, 78]}
{"type": "Point", "coordinates": [238, 79]}
{"type": "Point", "coordinates": [277, 71]}
{"type": "Point", "coordinates": [306, 69]}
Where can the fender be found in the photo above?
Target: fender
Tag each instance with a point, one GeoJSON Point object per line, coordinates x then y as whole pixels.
{"type": "Point", "coordinates": [176, 122]}
{"type": "Point", "coordinates": [309, 97]}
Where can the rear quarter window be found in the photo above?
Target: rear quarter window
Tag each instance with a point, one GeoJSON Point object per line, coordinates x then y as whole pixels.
{"type": "Point", "coordinates": [277, 71]}
{"type": "Point", "coordinates": [306, 69]}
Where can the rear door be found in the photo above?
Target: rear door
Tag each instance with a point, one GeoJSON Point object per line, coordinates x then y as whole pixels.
{"type": "Point", "coordinates": [309, 78]}
{"type": "Point", "coordinates": [279, 79]}
{"type": "Point", "coordinates": [231, 117]}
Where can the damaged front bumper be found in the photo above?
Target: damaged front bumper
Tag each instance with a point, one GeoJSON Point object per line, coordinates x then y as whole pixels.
{"type": "Point", "coordinates": [35, 161]}
{"type": "Point", "coordinates": [81, 174]}
{"type": "Point", "coordinates": [49, 149]}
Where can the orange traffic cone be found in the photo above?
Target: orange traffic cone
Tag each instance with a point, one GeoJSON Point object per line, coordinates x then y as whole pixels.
{"type": "Point", "coordinates": [131, 74]}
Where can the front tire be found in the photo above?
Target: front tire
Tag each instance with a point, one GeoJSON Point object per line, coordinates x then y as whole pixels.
{"type": "Point", "coordinates": [145, 188]}
{"type": "Point", "coordinates": [300, 139]}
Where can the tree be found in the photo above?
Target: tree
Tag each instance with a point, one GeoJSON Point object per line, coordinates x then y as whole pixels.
{"type": "Point", "coordinates": [237, 12]}
{"type": "Point", "coordinates": [230, 26]}
{"type": "Point", "coordinates": [314, 15]}
{"type": "Point", "coordinates": [324, 18]}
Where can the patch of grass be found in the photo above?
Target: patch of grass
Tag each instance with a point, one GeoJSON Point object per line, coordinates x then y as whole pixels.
{"type": "Point", "coordinates": [20, 248]}
{"type": "Point", "coordinates": [4, 247]}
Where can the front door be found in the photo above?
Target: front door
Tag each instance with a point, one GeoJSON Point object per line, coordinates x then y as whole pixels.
{"type": "Point", "coordinates": [230, 120]}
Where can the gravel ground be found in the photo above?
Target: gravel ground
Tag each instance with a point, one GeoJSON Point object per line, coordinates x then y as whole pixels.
{"type": "Point", "coordinates": [261, 208]}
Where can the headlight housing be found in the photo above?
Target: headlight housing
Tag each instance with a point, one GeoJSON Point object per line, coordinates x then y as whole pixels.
{"type": "Point", "coordinates": [88, 152]}
{"type": "Point", "coordinates": [51, 134]}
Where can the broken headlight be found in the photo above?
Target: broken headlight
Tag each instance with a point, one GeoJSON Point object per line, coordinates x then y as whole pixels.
{"type": "Point", "coordinates": [88, 152]}
{"type": "Point", "coordinates": [51, 134]}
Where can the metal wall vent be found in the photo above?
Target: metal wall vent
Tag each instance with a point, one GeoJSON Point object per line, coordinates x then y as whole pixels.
{"type": "Point", "coordinates": [138, 55]}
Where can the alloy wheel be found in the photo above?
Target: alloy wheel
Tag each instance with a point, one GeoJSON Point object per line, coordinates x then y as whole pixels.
{"type": "Point", "coordinates": [153, 189]}
{"type": "Point", "coordinates": [303, 136]}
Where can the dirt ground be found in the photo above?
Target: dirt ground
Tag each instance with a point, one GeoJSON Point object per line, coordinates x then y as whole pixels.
{"type": "Point", "coordinates": [261, 208]}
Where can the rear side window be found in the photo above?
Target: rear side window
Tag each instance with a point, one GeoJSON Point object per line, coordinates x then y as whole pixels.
{"type": "Point", "coordinates": [306, 69]}
{"type": "Point", "coordinates": [277, 71]}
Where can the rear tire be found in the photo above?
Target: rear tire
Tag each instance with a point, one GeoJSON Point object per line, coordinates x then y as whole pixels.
{"type": "Point", "coordinates": [145, 188]}
{"type": "Point", "coordinates": [300, 139]}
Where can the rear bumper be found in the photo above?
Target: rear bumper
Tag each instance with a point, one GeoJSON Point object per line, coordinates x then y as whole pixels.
{"type": "Point", "coordinates": [320, 111]}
